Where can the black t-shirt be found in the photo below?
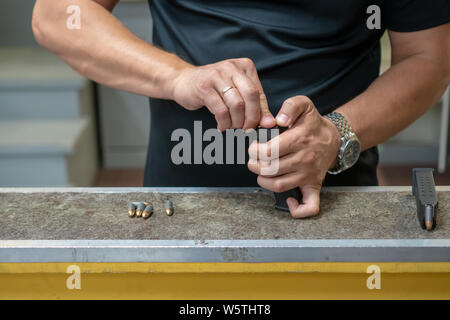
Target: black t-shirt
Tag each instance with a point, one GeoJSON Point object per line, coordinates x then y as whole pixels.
{"type": "Point", "coordinates": [322, 49]}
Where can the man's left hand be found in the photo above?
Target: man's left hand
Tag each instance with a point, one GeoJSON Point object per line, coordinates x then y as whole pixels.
{"type": "Point", "coordinates": [307, 150]}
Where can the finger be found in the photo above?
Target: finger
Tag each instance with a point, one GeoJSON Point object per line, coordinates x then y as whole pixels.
{"type": "Point", "coordinates": [264, 168]}
{"type": "Point", "coordinates": [233, 101]}
{"type": "Point", "coordinates": [217, 107]}
{"type": "Point", "coordinates": [311, 203]}
{"type": "Point", "coordinates": [250, 94]}
{"type": "Point", "coordinates": [291, 109]}
{"type": "Point", "coordinates": [264, 151]}
{"type": "Point", "coordinates": [279, 146]}
{"type": "Point", "coordinates": [267, 120]}
{"type": "Point", "coordinates": [286, 165]}
{"type": "Point", "coordinates": [236, 105]}
{"type": "Point", "coordinates": [280, 184]}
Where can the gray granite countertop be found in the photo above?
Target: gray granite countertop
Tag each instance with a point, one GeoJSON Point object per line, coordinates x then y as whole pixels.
{"type": "Point", "coordinates": [213, 215]}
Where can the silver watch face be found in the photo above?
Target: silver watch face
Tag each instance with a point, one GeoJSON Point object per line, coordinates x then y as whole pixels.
{"type": "Point", "coordinates": [352, 150]}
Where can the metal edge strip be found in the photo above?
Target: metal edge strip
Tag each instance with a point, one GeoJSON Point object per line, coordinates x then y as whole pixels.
{"type": "Point", "coordinates": [202, 189]}
{"type": "Point", "coordinates": [367, 250]}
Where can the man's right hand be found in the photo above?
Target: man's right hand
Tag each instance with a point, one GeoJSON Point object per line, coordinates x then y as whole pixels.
{"type": "Point", "coordinates": [244, 106]}
{"type": "Point", "coordinates": [105, 51]}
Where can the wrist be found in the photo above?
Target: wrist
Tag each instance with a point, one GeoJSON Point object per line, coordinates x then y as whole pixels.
{"type": "Point", "coordinates": [350, 148]}
{"type": "Point", "coordinates": [335, 143]}
{"type": "Point", "coordinates": [168, 78]}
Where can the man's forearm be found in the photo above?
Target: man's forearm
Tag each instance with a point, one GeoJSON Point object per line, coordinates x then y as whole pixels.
{"type": "Point", "coordinates": [397, 98]}
{"type": "Point", "coordinates": [104, 50]}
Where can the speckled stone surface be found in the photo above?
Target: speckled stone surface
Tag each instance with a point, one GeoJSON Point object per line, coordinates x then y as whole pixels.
{"type": "Point", "coordinates": [214, 216]}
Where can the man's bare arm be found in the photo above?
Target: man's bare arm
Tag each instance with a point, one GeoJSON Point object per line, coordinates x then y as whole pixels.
{"type": "Point", "coordinates": [419, 75]}
{"type": "Point", "coordinates": [104, 50]}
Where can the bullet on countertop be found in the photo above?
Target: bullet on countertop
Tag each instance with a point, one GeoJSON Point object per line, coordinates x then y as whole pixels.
{"type": "Point", "coordinates": [147, 211]}
{"type": "Point", "coordinates": [169, 208]}
{"type": "Point", "coordinates": [140, 209]}
{"type": "Point", "coordinates": [131, 210]}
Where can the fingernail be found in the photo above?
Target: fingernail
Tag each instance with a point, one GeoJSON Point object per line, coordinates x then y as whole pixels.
{"type": "Point", "coordinates": [282, 119]}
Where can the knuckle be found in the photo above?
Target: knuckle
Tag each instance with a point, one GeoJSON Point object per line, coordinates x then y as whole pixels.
{"type": "Point", "coordinates": [222, 113]}
{"type": "Point", "coordinates": [278, 186]}
{"type": "Point", "coordinates": [248, 62]}
{"type": "Point", "coordinates": [238, 104]}
{"type": "Point", "coordinates": [213, 73]}
{"type": "Point", "coordinates": [252, 92]}
{"type": "Point", "coordinates": [305, 99]}
{"type": "Point", "coordinates": [308, 102]}
{"type": "Point", "coordinates": [204, 85]}
{"type": "Point", "coordinates": [228, 64]}
{"type": "Point", "coordinates": [299, 141]}
{"type": "Point", "coordinates": [314, 210]}
{"type": "Point", "coordinates": [310, 157]}
{"type": "Point", "coordinates": [290, 102]}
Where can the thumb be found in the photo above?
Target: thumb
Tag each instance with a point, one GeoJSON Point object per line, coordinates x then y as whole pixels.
{"type": "Point", "coordinates": [291, 109]}
{"type": "Point", "coordinates": [311, 203]}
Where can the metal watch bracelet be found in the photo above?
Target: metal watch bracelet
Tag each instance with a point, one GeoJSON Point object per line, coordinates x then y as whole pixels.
{"type": "Point", "coordinates": [350, 147]}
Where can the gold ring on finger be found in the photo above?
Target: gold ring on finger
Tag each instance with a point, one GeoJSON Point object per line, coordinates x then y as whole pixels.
{"type": "Point", "coordinates": [227, 89]}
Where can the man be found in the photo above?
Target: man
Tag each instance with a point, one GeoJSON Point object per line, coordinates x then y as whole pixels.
{"type": "Point", "coordinates": [222, 62]}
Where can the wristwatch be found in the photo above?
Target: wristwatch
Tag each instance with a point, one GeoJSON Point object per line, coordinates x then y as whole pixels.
{"type": "Point", "coordinates": [350, 148]}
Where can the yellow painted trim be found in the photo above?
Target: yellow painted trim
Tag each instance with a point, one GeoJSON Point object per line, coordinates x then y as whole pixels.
{"type": "Point", "coordinates": [139, 281]}
{"type": "Point", "coordinates": [325, 267]}
{"type": "Point", "coordinates": [140, 286]}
